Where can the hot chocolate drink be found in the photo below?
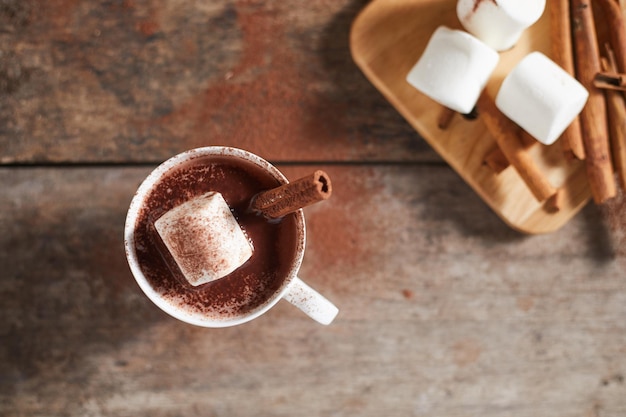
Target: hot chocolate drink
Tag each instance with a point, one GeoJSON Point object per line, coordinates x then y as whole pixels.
{"type": "Point", "coordinates": [276, 242]}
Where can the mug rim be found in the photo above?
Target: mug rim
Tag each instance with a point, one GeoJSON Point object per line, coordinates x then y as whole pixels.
{"type": "Point", "coordinates": [133, 214]}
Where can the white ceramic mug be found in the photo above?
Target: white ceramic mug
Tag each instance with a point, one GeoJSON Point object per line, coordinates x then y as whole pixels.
{"type": "Point", "coordinates": [292, 288]}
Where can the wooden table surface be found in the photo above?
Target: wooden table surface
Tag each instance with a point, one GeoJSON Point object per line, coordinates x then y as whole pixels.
{"type": "Point", "coordinates": [444, 310]}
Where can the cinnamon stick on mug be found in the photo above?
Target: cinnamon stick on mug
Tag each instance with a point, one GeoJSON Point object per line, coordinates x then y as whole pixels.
{"type": "Point", "coordinates": [563, 54]}
{"type": "Point", "coordinates": [287, 198]}
{"type": "Point", "coordinates": [593, 118]}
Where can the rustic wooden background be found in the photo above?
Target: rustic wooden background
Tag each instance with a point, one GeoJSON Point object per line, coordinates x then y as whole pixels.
{"type": "Point", "coordinates": [444, 310]}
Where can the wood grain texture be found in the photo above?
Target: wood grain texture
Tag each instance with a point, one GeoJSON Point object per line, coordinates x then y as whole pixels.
{"type": "Point", "coordinates": [444, 310]}
{"type": "Point", "coordinates": [388, 38]}
{"type": "Point", "coordinates": [141, 80]}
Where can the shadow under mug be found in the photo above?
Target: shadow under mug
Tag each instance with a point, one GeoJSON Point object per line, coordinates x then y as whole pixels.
{"type": "Point", "coordinates": [292, 288]}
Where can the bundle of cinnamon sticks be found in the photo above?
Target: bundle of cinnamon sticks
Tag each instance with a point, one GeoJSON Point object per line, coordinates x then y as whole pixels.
{"type": "Point", "coordinates": [599, 136]}
{"type": "Point", "coordinates": [602, 112]}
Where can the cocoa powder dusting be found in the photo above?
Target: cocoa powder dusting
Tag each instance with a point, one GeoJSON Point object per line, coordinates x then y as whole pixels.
{"type": "Point", "coordinates": [248, 287]}
{"type": "Point", "coordinates": [261, 98]}
{"type": "Point", "coordinates": [337, 236]}
{"type": "Point", "coordinates": [478, 2]}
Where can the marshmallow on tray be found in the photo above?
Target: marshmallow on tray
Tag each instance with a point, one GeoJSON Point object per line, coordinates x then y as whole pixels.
{"type": "Point", "coordinates": [204, 238]}
{"type": "Point", "coordinates": [541, 97]}
{"type": "Point", "coordinates": [454, 69]}
{"type": "Point", "coordinates": [499, 23]}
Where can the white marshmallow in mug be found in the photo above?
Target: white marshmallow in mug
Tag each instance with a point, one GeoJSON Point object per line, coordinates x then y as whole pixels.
{"type": "Point", "coordinates": [541, 97]}
{"type": "Point", "coordinates": [453, 69]}
{"type": "Point", "coordinates": [499, 23]}
{"type": "Point", "coordinates": [204, 238]}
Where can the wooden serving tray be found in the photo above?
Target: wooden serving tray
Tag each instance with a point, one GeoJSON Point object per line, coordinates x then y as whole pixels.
{"type": "Point", "coordinates": [386, 40]}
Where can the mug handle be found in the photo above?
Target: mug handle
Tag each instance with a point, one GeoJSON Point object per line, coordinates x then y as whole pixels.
{"type": "Point", "coordinates": [310, 302]}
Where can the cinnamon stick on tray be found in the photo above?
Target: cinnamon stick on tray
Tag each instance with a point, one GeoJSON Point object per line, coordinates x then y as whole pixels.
{"type": "Point", "coordinates": [563, 54]}
{"type": "Point", "coordinates": [497, 161]}
{"type": "Point", "coordinates": [617, 123]}
{"type": "Point", "coordinates": [445, 118]}
{"type": "Point", "coordinates": [593, 116]}
{"type": "Point", "coordinates": [617, 31]}
{"type": "Point", "coordinates": [507, 135]}
{"type": "Point", "coordinates": [287, 198]}
{"type": "Point", "coordinates": [610, 80]}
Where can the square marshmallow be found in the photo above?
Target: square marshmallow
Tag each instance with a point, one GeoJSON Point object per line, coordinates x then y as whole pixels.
{"type": "Point", "coordinates": [541, 97]}
{"type": "Point", "coordinates": [499, 23]}
{"type": "Point", "coordinates": [204, 238]}
{"type": "Point", "coordinates": [454, 69]}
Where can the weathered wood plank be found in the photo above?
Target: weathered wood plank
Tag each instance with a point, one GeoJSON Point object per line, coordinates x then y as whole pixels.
{"type": "Point", "coordinates": [445, 311]}
{"type": "Point", "coordinates": [141, 80]}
